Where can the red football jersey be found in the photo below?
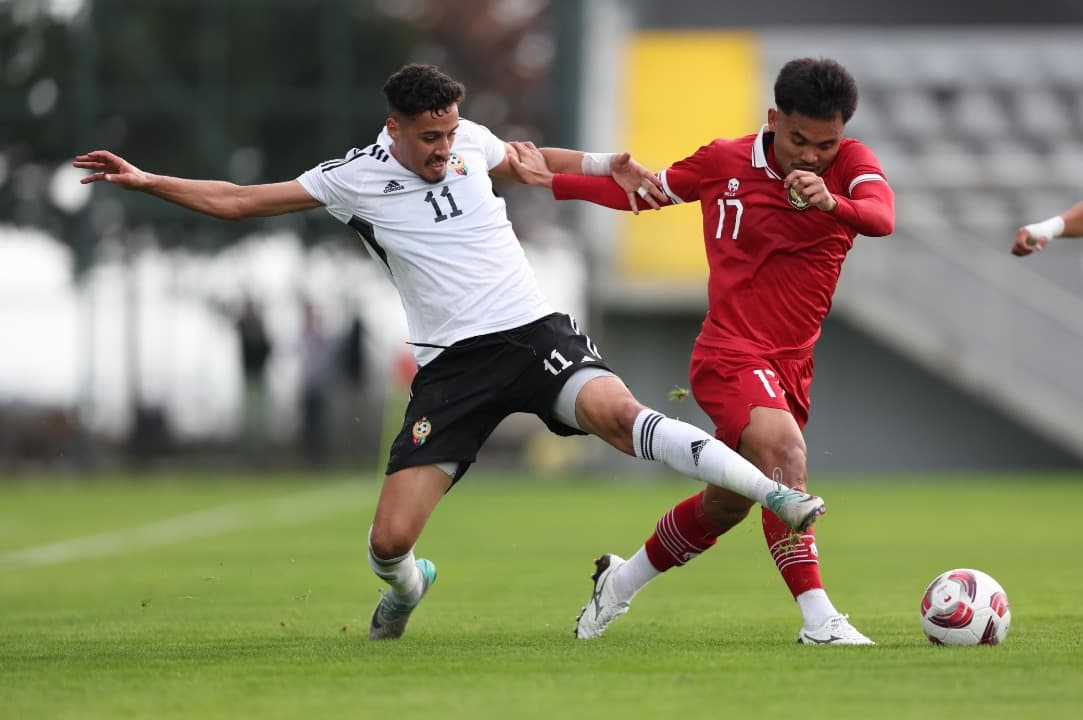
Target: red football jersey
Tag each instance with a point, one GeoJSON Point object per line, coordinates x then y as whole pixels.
{"type": "Point", "coordinates": [774, 260]}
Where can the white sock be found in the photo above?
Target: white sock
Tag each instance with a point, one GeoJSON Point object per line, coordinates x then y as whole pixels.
{"type": "Point", "coordinates": [400, 573]}
{"type": "Point", "coordinates": [816, 607]}
{"type": "Point", "coordinates": [694, 453]}
{"type": "Point", "coordinates": [630, 577]}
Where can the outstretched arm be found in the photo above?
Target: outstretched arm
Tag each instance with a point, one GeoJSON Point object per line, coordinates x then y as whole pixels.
{"type": "Point", "coordinates": [217, 198]}
{"type": "Point", "coordinates": [598, 190]}
{"type": "Point", "coordinates": [537, 166]}
{"type": "Point", "coordinates": [1032, 238]}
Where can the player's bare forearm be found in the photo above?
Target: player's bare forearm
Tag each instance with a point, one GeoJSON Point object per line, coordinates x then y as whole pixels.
{"type": "Point", "coordinates": [211, 197]}
{"type": "Point", "coordinates": [536, 166]}
{"type": "Point", "coordinates": [216, 198]}
{"type": "Point", "coordinates": [1073, 221]}
{"type": "Point", "coordinates": [229, 201]}
{"type": "Point", "coordinates": [561, 160]}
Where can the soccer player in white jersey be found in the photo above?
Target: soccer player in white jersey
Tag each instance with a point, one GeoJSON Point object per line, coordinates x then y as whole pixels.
{"type": "Point", "coordinates": [485, 338]}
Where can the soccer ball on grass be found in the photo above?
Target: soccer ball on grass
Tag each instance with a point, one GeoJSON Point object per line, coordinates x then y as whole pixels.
{"type": "Point", "coordinates": [965, 607]}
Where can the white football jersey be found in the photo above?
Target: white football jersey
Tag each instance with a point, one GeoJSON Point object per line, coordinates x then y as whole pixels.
{"type": "Point", "coordinates": [448, 247]}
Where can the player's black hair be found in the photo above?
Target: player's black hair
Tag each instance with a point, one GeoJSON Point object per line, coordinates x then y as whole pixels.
{"type": "Point", "coordinates": [820, 88]}
{"type": "Point", "coordinates": [415, 89]}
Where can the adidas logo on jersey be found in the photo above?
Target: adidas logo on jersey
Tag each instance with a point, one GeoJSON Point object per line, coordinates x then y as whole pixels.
{"type": "Point", "coordinates": [393, 186]}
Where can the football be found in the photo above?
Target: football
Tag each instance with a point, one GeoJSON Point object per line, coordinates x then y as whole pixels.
{"type": "Point", "coordinates": [965, 607]}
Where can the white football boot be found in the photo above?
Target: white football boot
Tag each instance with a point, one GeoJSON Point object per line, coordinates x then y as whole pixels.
{"type": "Point", "coordinates": [836, 630]}
{"type": "Point", "coordinates": [603, 606]}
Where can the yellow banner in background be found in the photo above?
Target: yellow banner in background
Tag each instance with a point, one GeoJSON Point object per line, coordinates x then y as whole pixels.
{"type": "Point", "coordinates": [683, 90]}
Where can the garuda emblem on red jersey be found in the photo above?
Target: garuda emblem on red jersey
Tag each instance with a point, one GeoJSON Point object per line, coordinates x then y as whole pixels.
{"type": "Point", "coordinates": [796, 200]}
{"type": "Point", "coordinates": [457, 164]}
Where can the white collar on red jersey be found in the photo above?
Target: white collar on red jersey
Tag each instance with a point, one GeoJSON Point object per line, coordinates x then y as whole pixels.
{"type": "Point", "coordinates": [759, 154]}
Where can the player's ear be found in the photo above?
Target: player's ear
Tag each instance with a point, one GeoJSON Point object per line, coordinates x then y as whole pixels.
{"type": "Point", "coordinates": [772, 119]}
{"type": "Point", "coordinates": [392, 125]}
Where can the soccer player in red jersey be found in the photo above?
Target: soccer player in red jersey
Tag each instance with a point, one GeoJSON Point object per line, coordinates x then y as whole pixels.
{"type": "Point", "coordinates": [781, 209]}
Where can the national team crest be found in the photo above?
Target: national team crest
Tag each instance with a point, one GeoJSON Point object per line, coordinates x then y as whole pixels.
{"type": "Point", "coordinates": [457, 164]}
{"type": "Point", "coordinates": [796, 200]}
{"type": "Point", "coordinates": [422, 430]}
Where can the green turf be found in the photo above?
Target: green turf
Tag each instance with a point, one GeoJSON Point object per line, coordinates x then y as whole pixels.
{"type": "Point", "coordinates": [265, 613]}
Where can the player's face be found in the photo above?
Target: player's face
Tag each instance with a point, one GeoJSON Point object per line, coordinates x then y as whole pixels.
{"type": "Point", "coordinates": [804, 143]}
{"type": "Point", "coordinates": [422, 143]}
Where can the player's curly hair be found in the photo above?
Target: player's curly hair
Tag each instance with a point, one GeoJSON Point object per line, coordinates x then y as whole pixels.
{"type": "Point", "coordinates": [416, 89]}
{"type": "Point", "coordinates": [820, 88]}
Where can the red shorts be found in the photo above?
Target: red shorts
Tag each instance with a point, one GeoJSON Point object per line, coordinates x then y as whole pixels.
{"type": "Point", "coordinates": [728, 383]}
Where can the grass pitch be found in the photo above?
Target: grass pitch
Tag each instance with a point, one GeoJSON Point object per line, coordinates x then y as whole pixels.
{"type": "Point", "coordinates": [220, 597]}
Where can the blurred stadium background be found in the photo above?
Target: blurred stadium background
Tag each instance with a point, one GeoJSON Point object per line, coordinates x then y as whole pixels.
{"type": "Point", "coordinates": [119, 340]}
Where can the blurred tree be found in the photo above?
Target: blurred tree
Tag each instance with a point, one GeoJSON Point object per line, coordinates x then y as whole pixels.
{"type": "Point", "coordinates": [35, 63]}
{"type": "Point", "coordinates": [246, 90]}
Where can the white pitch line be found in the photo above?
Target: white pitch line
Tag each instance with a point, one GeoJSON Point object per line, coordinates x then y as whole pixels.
{"type": "Point", "coordinates": [288, 510]}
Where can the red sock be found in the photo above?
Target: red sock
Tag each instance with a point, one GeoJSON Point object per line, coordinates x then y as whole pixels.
{"type": "Point", "coordinates": [682, 533]}
{"type": "Point", "coordinates": [797, 559]}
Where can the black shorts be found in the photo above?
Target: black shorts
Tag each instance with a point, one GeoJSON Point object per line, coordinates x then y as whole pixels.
{"type": "Point", "coordinates": [458, 399]}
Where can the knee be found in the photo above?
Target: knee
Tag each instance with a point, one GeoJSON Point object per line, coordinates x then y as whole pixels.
{"type": "Point", "coordinates": [623, 424]}
{"type": "Point", "coordinates": [787, 462]}
{"type": "Point", "coordinates": [387, 543]}
{"type": "Point", "coordinates": [625, 412]}
{"type": "Point", "coordinates": [613, 421]}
